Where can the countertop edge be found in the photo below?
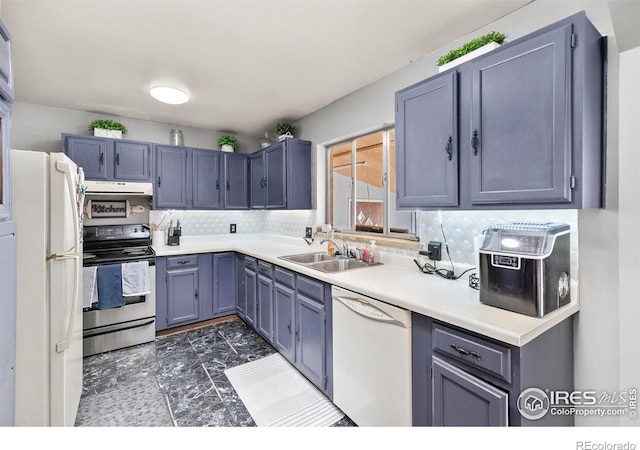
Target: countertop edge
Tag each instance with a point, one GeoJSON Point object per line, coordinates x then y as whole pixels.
{"type": "Point", "coordinates": [531, 327]}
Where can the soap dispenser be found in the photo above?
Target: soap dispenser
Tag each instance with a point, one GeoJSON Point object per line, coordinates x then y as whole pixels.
{"type": "Point", "coordinates": [373, 254]}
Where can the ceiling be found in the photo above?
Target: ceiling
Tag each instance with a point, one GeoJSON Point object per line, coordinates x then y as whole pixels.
{"type": "Point", "coordinates": [246, 64]}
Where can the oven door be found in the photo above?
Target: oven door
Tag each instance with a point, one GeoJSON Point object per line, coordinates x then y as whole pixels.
{"type": "Point", "coordinates": [115, 328]}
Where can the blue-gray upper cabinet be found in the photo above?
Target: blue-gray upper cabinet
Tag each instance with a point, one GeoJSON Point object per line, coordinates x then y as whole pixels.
{"type": "Point", "coordinates": [171, 178]}
{"type": "Point", "coordinates": [206, 179]}
{"type": "Point", "coordinates": [427, 142]}
{"type": "Point", "coordinates": [236, 181]}
{"type": "Point", "coordinates": [187, 178]}
{"type": "Point", "coordinates": [109, 159]}
{"type": "Point", "coordinates": [530, 126]}
{"type": "Point", "coordinates": [520, 122]}
{"type": "Point", "coordinates": [281, 176]}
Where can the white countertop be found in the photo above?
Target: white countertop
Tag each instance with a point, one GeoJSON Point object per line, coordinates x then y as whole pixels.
{"type": "Point", "coordinates": [396, 282]}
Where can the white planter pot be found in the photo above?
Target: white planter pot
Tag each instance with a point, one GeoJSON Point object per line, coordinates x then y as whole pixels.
{"type": "Point", "coordinates": [227, 148]}
{"type": "Point", "coordinates": [469, 56]}
{"type": "Point", "coordinates": [101, 132]}
{"type": "Point", "coordinates": [282, 137]}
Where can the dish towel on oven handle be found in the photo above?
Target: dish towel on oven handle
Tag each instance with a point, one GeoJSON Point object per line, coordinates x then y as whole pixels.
{"type": "Point", "coordinates": [135, 279]}
{"type": "Point", "coordinates": [89, 286]}
{"type": "Point", "coordinates": [110, 286]}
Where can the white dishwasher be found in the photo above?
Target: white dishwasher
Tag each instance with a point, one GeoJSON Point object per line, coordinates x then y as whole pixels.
{"type": "Point", "coordinates": [371, 360]}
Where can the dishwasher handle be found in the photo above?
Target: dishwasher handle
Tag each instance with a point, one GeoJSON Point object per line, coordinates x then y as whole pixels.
{"type": "Point", "coordinates": [366, 309]}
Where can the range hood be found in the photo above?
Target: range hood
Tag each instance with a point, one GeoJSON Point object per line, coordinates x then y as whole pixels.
{"type": "Point", "coordinates": [118, 188]}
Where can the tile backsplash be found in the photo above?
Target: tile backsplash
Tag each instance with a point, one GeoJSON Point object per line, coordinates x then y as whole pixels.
{"type": "Point", "coordinates": [459, 227]}
{"type": "Point", "coordinates": [203, 223]}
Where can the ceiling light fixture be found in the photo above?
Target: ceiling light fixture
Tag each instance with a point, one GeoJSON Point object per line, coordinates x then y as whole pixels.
{"type": "Point", "coordinates": [169, 95]}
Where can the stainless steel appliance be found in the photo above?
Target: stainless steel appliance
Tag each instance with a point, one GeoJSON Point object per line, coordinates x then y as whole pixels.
{"type": "Point", "coordinates": [524, 267]}
{"type": "Point", "coordinates": [133, 323]}
{"type": "Point", "coordinates": [371, 360]}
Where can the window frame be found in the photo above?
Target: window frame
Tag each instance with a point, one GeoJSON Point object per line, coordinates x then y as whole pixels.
{"type": "Point", "coordinates": [351, 231]}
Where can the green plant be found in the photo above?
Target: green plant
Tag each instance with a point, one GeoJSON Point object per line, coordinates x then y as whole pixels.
{"type": "Point", "coordinates": [228, 140]}
{"type": "Point", "coordinates": [471, 46]}
{"type": "Point", "coordinates": [284, 128]}
{"type": "Point", "coordinates": [107, 125]}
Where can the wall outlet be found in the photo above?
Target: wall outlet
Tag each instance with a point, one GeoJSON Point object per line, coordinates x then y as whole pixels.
{"type": "Point", "coordinates": [308, 232]}
{"type": "Point", "coordinates": [232, 228]}
{"type": "Point", "coordinates": [434, 249]}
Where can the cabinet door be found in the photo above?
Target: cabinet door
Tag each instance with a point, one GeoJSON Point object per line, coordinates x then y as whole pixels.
{"type": "Point", "coordinates": [461, 399]}
{"type": "Point", "coordinates": [283, 330]}
{"type": "Point", "coordinates": [8, 256]}
{"type": "Point", "coordinates": [521, 127]}
{"type": "Point", "coordinates": [132, 161]}
{"type": "Point", "coordinates": [171, 178]}
{"type": "Point", "coordinates": [311, 340]}
{"type": "Point", "coordinates": [265, 306]}
{"type": "Point", "coordinates": [182, 296]}
{"type": "Point", "coordinates": [250, 295]}
{"type": "Point", "coordinates": [206, 179]}
{"type": "Point", "coordinates": [224, 284]}
{"type": "Point", "coordinates": [92, 154]}
{"type": "Point", "coordinates": [427, 143]}
{"type": "Point", "coordinates": [257, 180]}
{"type": "Point", "coordinates": [241, 301]}
{"type": "Point", "coordinates": [236, 189]}
{"type": "Point", "coordinates": [275, 186]}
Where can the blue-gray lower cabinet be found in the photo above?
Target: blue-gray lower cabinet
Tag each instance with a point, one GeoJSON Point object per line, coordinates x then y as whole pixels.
{"type": "Point", "coordinates": [284, 305]}
{"type": "Point", "coordinates": [461, 378]}
{"type": "Point", "coordinates": [250, 290]}
{"type": "Point", "coordinates": [194, 288]}
{"type": "Point", "coordinates": [293, 314]}
{"type": "Point", "coordinates": [183, 290]}
{"type": "Point", "coordinates": [264, 302]}
{"type": "Point", "coordinates": [8, 256]}
{"type": "Point", "coordinates": [224, 284]}
{"type": "Point", "coordinates": [485, 405]}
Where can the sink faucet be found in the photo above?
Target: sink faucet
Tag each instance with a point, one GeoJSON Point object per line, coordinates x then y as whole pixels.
{"type": "Point", "coordinates": [343, 249]}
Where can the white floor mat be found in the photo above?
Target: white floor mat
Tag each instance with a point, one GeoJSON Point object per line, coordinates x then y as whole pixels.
{"type": "Point", "coordinates": [277, 395]}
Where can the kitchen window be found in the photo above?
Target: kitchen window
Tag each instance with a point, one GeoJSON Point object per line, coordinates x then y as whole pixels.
{"type": "Point", "coordinates": [362, 187]}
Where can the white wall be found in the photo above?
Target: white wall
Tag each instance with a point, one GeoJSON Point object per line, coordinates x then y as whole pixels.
{"type": "Point", "coordinates": [38, 128]}
{"type": "Point", "coordinates": [629, 218]}
{"type": "Point", "coordinates": [604, 336]}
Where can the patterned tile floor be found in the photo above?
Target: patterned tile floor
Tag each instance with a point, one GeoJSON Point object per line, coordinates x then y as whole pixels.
{"type": "Point", "coordinates": [177, 380]}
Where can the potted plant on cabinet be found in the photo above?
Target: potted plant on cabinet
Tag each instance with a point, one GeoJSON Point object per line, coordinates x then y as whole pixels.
{"type": "Point", "coordinates": [470, 50]}
{"type": "Point", "coordinates": [107, 128]}
{"type": "Point", "coordinates": [228, 143]}
{"type": "Point", "coordinates": [285, 130]}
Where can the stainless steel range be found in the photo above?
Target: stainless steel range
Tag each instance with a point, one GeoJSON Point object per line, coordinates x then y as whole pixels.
{"type": "Point", "coordinates": [134, 322]}
{"type": "Point", "coordinates": [115, 233]}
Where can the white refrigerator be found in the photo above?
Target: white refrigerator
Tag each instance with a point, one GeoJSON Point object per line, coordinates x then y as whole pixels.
{"type": "Point", "coordinates": [47, 199]}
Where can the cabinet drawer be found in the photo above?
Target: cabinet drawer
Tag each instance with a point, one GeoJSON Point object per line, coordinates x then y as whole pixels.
{"type": "Point", "coordinates": [265, 269]}
{"type": "Point", "coordinates": [285, 277]}
{"type": "Point", "coordinates": [175, 262]}
{"type": "Point", "coordinates": [250, 263]}
{"type": "Point", "coordinates": [480, 353]}
{"type": "Point", "coordinates": [311, 288]}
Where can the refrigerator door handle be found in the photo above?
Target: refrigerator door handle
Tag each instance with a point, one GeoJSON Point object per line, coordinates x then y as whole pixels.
{"type": "Point", "coordinates": [66, 169]}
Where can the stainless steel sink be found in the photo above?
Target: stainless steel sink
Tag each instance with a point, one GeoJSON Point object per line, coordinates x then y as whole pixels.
{"type": "Point", "coordinates": [327, 263]}
{"type": "Point", "coordinates": [339, 265]}
{"type": "Point", "coordinates": [306, 258]}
